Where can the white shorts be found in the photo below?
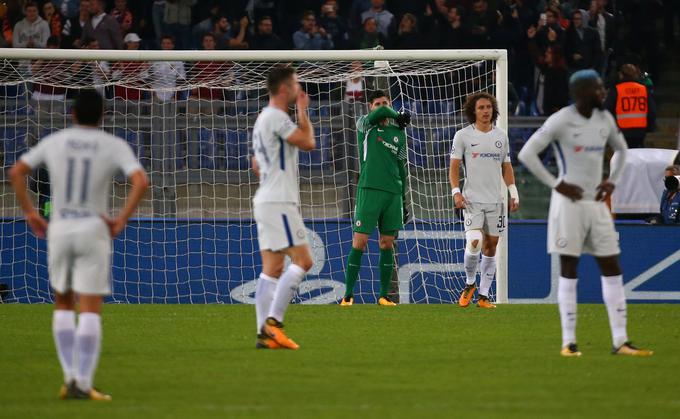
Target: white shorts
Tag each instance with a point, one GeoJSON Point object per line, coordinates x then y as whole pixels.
{"type": "Point", "coordinates": [279, 226]}
{"type": "Point", "coordinates": [581, 227]}
{"type": "Point", "coordinates": [79, 256]}
{"type": "Point", "coordinates": [489, 218]}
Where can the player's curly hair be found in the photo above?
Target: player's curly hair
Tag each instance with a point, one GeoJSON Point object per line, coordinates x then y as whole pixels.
{"type": "Point", "coordinates": [471, 103]}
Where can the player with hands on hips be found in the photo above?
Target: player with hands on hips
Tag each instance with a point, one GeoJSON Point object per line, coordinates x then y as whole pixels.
{"type": "Point", "coordinates": [579, 220]}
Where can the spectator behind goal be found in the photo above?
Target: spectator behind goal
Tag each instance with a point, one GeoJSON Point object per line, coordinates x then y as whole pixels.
{"type": "Point", "coordinates": [102, 27]}
{"type": "Point", "coordinates": [633, 106]}
{"type": "Point", "coordinates": [32, 31]}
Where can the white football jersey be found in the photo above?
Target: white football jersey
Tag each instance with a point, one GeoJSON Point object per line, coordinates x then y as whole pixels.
{"type": "Point", "coordinates": [579, 146]}
{"type": "Point", "coordinates": [81, 162]}
{"type": "Point", "coordinates": [276, 157]}
{"type": "Point", "coordinates": [483, 154]}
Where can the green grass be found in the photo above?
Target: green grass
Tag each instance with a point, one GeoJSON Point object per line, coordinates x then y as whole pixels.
{"type": "Point", "coordinates": [181, 361]}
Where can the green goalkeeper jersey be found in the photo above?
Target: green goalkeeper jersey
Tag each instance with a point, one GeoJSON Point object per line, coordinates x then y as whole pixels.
{"type": "Point", "coordinates": [382, 152]}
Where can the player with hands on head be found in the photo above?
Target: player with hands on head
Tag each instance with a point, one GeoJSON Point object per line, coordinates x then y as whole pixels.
{"type": "Point", "coordinates": [381, 191]}
{"type": "Point", "coordinates": [82, 161]}
{"type": "Point", "coordinates": [485, 150]}
{"type": "Point", "coordinates": [579, 220]}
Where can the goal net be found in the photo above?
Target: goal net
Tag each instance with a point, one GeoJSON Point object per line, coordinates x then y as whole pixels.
{"type": "Point", "coordinates": [189, 115]}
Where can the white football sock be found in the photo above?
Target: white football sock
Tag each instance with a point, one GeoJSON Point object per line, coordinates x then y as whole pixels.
{"type": "Point", "coordinates": [288, 284]}
{"type": "Point", "coordinates": [64, 332]}
{"type": "Point", "coordinates": [566, 298]}
{"type": "Point", "coordinates": [264, 294]}
{"type": "Point", "coordinates": [487, 270]}
{"type": "Point", "coordinates": [88, 343]}
{"type": "Point", "coordinates": [471, 260]}
{"type": "Point", "coordinates": [615, 300]}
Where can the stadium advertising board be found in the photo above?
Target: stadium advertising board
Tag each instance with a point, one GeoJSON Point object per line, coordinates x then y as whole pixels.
{"type": "Point", "coordinates": [185, 261]}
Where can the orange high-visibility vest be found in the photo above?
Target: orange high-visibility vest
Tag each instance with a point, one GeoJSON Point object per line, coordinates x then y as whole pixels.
{"type": "Point", "coordinates": [631, 105]}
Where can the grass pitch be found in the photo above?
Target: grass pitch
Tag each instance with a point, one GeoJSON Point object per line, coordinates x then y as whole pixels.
{"type": "Point", "coordinates": [417, 361]}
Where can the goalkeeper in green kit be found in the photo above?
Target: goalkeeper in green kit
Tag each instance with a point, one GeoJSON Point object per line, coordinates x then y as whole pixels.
{"type": "Point", "coordinates": [381, 190]}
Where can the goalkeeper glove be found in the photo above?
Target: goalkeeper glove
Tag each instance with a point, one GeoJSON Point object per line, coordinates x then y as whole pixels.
{"type": "Point", "coordinates": [403, 119]}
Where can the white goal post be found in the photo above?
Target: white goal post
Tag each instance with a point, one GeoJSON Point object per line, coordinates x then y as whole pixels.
{"type": "Point", "coordinates": [193, 147]}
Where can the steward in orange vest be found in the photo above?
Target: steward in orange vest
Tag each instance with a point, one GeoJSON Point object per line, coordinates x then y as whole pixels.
{"type": "Point", "coordinates": [632, 106]}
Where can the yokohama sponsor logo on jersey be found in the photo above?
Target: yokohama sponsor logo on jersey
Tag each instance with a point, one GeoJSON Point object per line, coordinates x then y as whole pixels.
{"type": "Point", "coordinates": [496, 156]}
{"type": "Point", "coordinates": [588, 148]}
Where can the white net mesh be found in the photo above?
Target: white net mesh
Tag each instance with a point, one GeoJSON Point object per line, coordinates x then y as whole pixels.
{"type": "Point", "coordinates": [190, 125]}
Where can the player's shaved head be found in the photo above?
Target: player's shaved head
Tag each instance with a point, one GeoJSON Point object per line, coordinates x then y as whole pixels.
{"type": "Point", "coordinates": [88, 107]}
{"type": "Point", "coordinates": [583, 78]}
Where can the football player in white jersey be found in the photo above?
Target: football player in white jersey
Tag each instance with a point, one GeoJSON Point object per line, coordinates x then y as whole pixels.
{"type": "Point", "coordinates": [82, 161]}
{"type": "Point", "coordinates": [579, 220]}
{"type": "Point", "coordinates": [276, 205]}
{"type": "Point", "coordinates": [484, 150]}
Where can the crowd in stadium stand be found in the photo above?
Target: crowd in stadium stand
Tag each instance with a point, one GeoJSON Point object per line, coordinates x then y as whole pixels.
{"type": "Point", "coordinates": [546, 39]}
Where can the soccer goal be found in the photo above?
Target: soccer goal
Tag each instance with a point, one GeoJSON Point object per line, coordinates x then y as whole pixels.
{"type": "Point", "coordinates": [189, 115]}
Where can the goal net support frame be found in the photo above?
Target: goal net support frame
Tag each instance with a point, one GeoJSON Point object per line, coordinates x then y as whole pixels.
{"type": "Point", "coordinates": [381, 58]}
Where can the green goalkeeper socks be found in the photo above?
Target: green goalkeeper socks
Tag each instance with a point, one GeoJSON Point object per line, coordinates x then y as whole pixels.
{"type": "Point", "coordinates": [352, 270]}
{"type": "Point", "coordinates": [386, 263]}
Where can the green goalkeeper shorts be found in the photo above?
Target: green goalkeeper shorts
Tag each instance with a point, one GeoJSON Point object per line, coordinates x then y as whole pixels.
{"type": "Point", "coordinates": [381, 208]}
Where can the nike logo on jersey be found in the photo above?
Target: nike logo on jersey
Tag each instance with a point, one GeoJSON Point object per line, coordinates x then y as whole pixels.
{"type": "Point", "coordinates": [380, 130]}
{"type": "Point", "coordinates": [474, 145]}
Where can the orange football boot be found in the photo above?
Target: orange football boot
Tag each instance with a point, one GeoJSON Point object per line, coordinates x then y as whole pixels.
{"type": "Point", "coordinates": [466, 295]}
{"type": "Point", "coordinates": [274, 330]}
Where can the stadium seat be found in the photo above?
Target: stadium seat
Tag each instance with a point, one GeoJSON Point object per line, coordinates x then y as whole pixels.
{"type": "Point", "coordinates": [241, 107]}
{"type": "Point", "coordinates": [397, 104]}
{"type": "Point", "coordinates": [13, 144]}
{"type": "Point", "coordinates": [413, 106]}
{"type": "Point", "coordinates": [206, 148]}
{"type": "Point", "coordinates": [437, 106]}
{"type": "Point", "coordinates": [441, 139]}
{"type": "Point", "coordinates": [321, 156]}
{"type": "Point", "coordinates": [416, 146]}
{"type": "Point", "coordinates": [133, 138]}
{"type": "Point", "coordinates": [244, 137]}
{"type": "Point", "coordinates": [533, 109]}
{"type": "Point", "coordinates": [236, 149]}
